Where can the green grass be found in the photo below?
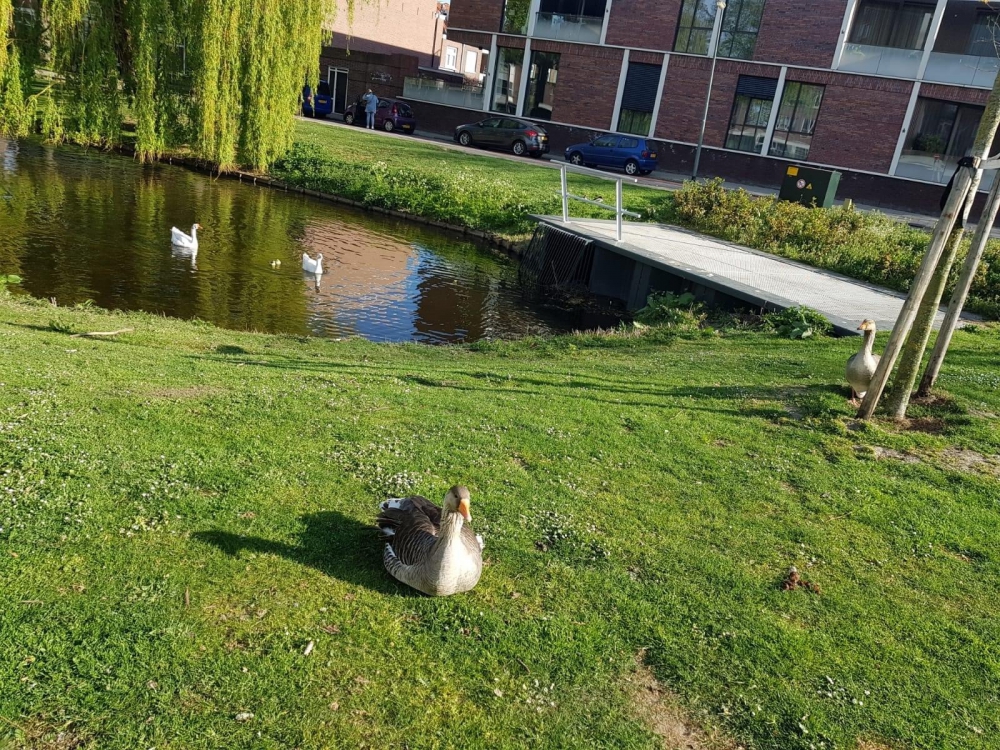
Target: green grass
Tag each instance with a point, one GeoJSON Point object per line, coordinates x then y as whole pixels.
{"type": "Point", "coordinates": [480, 192]}
{"type": "Point", "coordinates": [184, 509]}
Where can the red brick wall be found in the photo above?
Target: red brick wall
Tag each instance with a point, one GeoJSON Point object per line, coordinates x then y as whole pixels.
{"type": "Point", "coordinates": [651, 24]}
{"type": "Point", "coordinates": [954, 94]}
{"type": "Point", "coordinates": [389, 27]}
{"type": "Point", "coordinates": [588, 80]}
{"type": "Point", "coordinates": [797, 33]}
{"type": "Point", "coordinates": [683, 99]}
{"type": "Point", "coordinates": [361, 67]}
{"type": "Point", "coordinates": [477, 15]}
{"type": "Point", "coordinates": [859, 120]}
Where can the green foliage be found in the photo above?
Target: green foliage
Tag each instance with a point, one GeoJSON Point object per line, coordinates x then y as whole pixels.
{"type": "Point", "coordinates": [676, 311]}
{"type": "Point", "coordinates": [864, 245]}
{"type": "Point", "coordinates": [221, 76]}
{"type": "Point", "coordinates": [798, 323]}
{"type": "Point", "coordinates": [10, 278]}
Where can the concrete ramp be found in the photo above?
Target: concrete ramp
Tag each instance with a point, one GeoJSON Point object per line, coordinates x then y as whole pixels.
{"type": "Point", "coordinates": [659, 256]}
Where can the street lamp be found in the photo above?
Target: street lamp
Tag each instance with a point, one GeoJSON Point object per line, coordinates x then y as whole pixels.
{"type": "Point", "coordinates": [713, 50]}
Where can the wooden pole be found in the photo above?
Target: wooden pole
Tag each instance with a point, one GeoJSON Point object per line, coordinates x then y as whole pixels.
{"type": "Point", "coordinates": [942, 231]}
{"type": "Point", "coordinates": [961, 293]}
{"type": "Point", "coordinates": [920, 332]}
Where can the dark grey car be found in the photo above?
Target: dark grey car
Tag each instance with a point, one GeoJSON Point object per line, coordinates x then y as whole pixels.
{"type": "Point", "coordinates": [508, 133]}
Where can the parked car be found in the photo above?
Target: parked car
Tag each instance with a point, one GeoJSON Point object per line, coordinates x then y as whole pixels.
{"type": "Point", "coordinates": [633, 154]}
{"type": "Point", "coordinates": [319, 106]}
{"type": "Point", "coordinates": [518, 136]}
{"type": "Point", "coordinates": [391, 115]}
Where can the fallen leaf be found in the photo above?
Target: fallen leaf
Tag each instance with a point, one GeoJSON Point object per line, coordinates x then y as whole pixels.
{"type": "Point", "coordinates": [331, 629]}
{"type": "Point", "coordinates": [244, 716]}
{"type": "Point", "coordinates": [335, 706]}
{"type": "Point", "coordinates": [309, 648]}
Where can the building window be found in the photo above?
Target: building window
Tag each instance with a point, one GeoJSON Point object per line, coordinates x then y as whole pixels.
{"type": "Point", "coordinates": [751, 112]}
{"type": "Point", "coordinates": [740, 24]}
{"type": "Point", "coordinates": [694, 30]}
{"type": "Point", "coordinates": [796, 122]}
{"type": "Point", "coordinates": [450, 58]}
{"type": "Point", "coordinates": [940, 134]}
{"type": "Point", "coordinates": [902, 24]}
{"type": "Point", "coordinates": [515, 17]}
{"type": "Point", "coordinates": [985, 39]}
{"type": "Point", "coordinates": [642, 84]}
{"type": "Point", "coordinates": [542, 85]}
{"type": "Point", "coordinates": [471, 61]}
{"type": "Point", "coordinates": [507, 81]}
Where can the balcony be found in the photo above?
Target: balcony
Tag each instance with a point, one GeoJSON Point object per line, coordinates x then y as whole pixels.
{"type": "Point", "coordinates": [964, 70]}
{"type": "Point", "coordinates": [881, 61]}
{"type": "Point", "coordinates": [567, 28]}
{"type": "Point", "coordinates": [469, 96]}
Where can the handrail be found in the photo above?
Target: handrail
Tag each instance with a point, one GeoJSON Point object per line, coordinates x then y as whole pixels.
{"type": "Point", "coordinates": [618, 208]}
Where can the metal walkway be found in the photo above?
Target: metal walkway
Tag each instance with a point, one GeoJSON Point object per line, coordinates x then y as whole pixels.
{"type": "Point", "coordinates": [758, 278]}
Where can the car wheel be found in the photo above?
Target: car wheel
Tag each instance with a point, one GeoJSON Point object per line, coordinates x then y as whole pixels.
{"type": "Point", "coordinates": [576, 158]}
{"type": "Point", "coordinates": [464, 138]}
{"type": "Point", "coordinates": [388, 126]}
{"type": "Point", "coordinates": [519, 148]}
{"type": "Point", "coordinates": [631, 167]}
{"type": "Point", "coordinates": [349, 118]}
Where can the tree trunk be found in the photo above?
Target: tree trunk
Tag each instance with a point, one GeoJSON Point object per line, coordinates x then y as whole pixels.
{"type": "Point", "coordinates": [898, 398]}
{"type": "Point", "coordinates": [919, 334]}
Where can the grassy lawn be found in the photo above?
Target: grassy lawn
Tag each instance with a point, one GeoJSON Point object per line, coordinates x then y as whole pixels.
{"type": "Point", "coordinates": [482, 192]}
{"type": "Point", "coordinates": [185, 509]}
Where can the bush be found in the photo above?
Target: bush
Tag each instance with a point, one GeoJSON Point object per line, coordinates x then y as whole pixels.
{"type": "Point", "coordinates": [679, 312]}
{"type": "Point", "coordinates": [798, 323]}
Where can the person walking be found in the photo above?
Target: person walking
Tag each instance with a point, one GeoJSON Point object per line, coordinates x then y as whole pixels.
{"type": "Point", "coordinates": [371, 105]}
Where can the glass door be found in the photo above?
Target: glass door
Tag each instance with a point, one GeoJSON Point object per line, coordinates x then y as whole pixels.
{"type": "Point", "coordinates": [337, 78]}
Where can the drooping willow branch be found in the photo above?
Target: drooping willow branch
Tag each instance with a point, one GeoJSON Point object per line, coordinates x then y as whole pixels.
{"type": "Point", "coordinates": [221, 77]}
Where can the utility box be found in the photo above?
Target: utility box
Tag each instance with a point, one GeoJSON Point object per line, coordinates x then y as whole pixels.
{"type": "Point", "coordinates": [810, 186]}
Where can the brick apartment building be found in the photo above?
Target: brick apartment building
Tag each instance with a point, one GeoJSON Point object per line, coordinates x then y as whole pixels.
{"type": "Point", "coordinates": [889, 92]}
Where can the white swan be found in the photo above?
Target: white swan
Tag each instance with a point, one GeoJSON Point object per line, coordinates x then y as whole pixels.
{"type": "Point", "coordinates": [312, 266]}
{"type": "Point", "coordinates": [179, 239]}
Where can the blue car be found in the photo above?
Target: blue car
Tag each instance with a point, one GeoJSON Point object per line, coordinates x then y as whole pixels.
{"type": "Point", "coordinates": [320, 105]}
{"type": "Point", "coordinates": [633, 154]}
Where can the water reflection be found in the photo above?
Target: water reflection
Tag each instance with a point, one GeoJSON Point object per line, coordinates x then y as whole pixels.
{"type": "Point", "coordinates": [78, 225]}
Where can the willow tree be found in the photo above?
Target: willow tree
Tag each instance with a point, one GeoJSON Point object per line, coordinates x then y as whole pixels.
{"type": "Point", "coordinates": [220, 77]}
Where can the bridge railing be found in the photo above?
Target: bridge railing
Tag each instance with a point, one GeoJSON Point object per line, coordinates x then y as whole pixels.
{"type": "Point", "coordinates": [618, 208]}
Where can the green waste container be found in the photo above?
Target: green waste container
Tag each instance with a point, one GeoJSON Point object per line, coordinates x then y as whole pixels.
{"type": "Point", "coordinates": [810, 186]}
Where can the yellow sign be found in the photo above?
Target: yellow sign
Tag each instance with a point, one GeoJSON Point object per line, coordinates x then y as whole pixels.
{"type": "Point", "coordinates": [792, 171]}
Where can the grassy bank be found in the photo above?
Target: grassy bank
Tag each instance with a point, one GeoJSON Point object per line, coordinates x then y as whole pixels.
{"type": "Point", "coordinates": [185, 509]}
{"type": "Point", "coordinates": [498, 196]}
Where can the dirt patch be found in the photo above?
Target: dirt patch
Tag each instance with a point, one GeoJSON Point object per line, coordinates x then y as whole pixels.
{"type": "Point", "coordinates": [880, 453]}
{"type": "Point", "coordinates": [970, 461]}
{"type": "Point", "coordinates": [931, 425]}
{"type": "Point", "coordinates": [870, 745]}
{"type": "Point", "coordinates": [38, 734]}
{"type": "Point", "coordinates": [186, 392]}
{"type": "Point", "coordinates": [660, 710]}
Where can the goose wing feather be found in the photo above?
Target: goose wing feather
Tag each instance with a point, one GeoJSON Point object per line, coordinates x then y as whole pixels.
{"type": "Point", "coordinates": [178, 237]}
{"type": "Point", "coordinates": [411, 524]}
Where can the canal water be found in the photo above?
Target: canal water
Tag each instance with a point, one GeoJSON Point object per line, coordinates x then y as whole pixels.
{"type": "Point", "coordinates": [81, 225]}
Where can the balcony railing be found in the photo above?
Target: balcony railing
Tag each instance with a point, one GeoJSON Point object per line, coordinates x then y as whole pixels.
{"type": "Point", "coordinates": [882, 61]}
{"type": "Point", "coordinates": [569, 28]}
{"type": "Point", "coordinates": [442, 92]}
{"type": "Point", "coordinates": [965, 70]}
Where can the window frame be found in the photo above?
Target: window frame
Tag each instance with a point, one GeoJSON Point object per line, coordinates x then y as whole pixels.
{"type": "Point", "coordinates": [736, 31]}
{"type": "Point", "coordinates": [743, 123]}
{"type": "Point", "coordinates": [791, 121]}
{"type": "Point", "coordinates": [893, 28]}
{"type": "Point", "coordinates": [450, 58]}
{"type": "Point", "coordinates": [473, 56]}
{"type": "Point", "coordinates": [512, 90]}
{"type": "Point", "coordinates": [532, 104]}
{"type": "Point", "coordinates": [681, 28]}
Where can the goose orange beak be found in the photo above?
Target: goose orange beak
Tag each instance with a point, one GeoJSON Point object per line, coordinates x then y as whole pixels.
{"type": "Point", "coordinates": [463, 508]}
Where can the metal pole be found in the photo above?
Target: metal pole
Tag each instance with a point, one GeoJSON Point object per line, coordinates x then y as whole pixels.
{"type": "Point", "coordinates": [714, 52]}
{"type": "Point", "coordinates": [565, 193]}
{"type": "Point", "coordinates": [900, 331]}
{"type": "Point", "coordinates": [619, 208]}
{"type": "Point", "coordinates": [961, 294]}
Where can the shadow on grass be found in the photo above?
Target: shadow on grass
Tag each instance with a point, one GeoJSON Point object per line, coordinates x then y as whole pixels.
{"type": "Point", "coordinates": [333, 543]}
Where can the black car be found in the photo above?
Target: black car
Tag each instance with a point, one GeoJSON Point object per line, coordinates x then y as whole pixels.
{"type": "Point", "coordinates": [518, 136]}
